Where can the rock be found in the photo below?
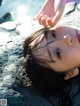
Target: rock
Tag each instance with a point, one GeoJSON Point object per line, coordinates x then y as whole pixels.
{"type": "Point", "coordinates": [70, 7]}
{"type": "Point", "coordinates": [8, 25]}
{"type": "Point", "coordinates": [23, 29]}
{"type": "Point", "coordinates": [2, 20]}
{"type": "Point", "coordinates": [22, 78]}
{"type": "Point", "coordinates": [7, 16]}
{"type": "Point", "coordinates": [4, 37]}
{"type": "Point", "coordinates": [0, 2]}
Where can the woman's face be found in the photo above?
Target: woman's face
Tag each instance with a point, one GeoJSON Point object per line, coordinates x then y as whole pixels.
{"type": "Point", "coordinates": [63, 48]}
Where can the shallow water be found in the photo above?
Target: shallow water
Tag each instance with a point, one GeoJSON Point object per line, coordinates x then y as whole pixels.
{"type": "Point", "coordinates": [21, 9]}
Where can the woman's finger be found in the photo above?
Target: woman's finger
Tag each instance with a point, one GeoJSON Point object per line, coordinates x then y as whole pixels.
{"type": "Point", "coordinates": [40, 19]}
{"type": "Point", "coordinates": [44, 22]}
{"type": "Point", "coordinates": [50, 22]}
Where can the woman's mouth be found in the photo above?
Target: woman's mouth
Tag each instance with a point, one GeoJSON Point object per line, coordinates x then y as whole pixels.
{"type": "Point", "coordinates": [78, 36]}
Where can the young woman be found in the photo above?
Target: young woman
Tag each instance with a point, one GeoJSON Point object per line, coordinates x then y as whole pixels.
{"type": "Point", "coordinates": [52, 60]}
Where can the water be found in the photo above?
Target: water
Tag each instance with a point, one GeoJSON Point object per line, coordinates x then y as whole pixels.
{"type": "Point", "coordinates": [22, 10]}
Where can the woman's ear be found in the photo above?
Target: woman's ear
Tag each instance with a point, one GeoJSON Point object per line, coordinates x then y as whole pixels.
{"type": "Point", "coordinates": [71, 74]}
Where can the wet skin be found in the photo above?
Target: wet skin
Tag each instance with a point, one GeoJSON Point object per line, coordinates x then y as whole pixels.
{"type": "Point", "coordinates": [63, 48]}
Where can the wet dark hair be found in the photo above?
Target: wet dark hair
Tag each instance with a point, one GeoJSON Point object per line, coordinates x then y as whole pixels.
{"type": "Point", "coordinates": [46, 80]}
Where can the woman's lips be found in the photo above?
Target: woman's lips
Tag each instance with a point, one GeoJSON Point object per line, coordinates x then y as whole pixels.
{"type": "Point", "coordinates": [78, 36]}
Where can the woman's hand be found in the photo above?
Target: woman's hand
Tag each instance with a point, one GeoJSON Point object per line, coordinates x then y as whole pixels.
{"type": "Point", "coordinates": [51, 12]}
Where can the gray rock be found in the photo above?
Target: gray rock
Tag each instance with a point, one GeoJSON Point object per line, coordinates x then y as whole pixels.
{"type": "Point", "coordinates": [70, 7]}
{"type": "Point", "coordinates": [9, 25]}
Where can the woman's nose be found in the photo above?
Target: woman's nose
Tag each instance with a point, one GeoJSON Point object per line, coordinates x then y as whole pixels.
{"type": "Point", "coordinates": [68, 39]}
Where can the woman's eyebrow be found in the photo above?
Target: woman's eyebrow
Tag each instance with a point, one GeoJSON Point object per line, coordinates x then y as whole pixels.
{"type": "Point", "coordinates": [48, 50]}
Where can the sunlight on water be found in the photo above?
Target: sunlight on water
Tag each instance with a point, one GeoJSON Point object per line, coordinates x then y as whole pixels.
{"type": "Point", "coordinates": [22, 9]}
{"type": "Point", "coordinates": [23, 19]}
{"type": "Point", "coordinates": [22, 14]}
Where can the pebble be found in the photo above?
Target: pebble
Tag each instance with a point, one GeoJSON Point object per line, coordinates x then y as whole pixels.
{"type": "Point", "coordinates": [24, 29]}
{"type": "Point", "coordinates": [9, 25]}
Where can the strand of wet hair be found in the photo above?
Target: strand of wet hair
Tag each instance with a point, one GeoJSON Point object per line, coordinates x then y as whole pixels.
{"type": "Point", "coordinates": [46, 37]}
{"type": "Point", "coordinates": [28, 40]}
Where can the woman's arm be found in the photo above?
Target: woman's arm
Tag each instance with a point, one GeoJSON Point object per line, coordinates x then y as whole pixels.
{"type": "Point", "coordinates": [51, 12]}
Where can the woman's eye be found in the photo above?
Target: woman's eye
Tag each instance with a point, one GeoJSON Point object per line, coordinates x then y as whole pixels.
{"type": "Point", "coordinates": [58, 53]}
{"type": "Point", "coordinates": [53, 34]}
